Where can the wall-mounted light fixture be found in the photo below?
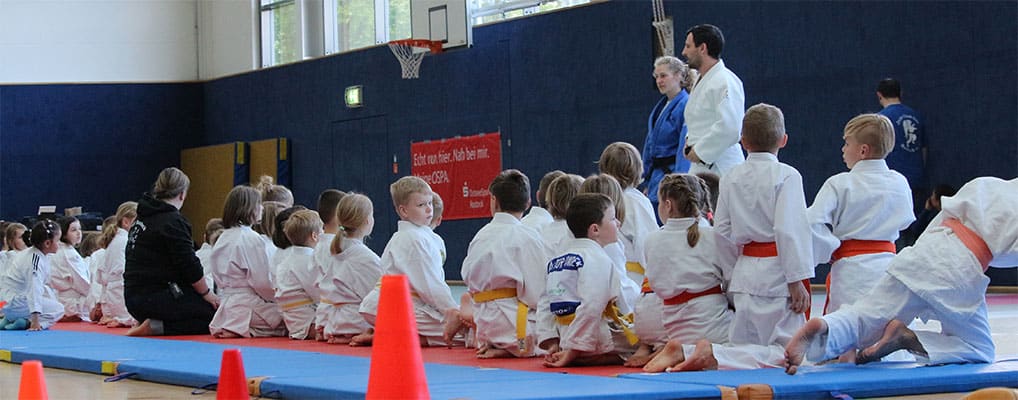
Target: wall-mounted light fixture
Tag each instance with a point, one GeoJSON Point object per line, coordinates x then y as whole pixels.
{"type": "Point", "coordinates": [354, 96]}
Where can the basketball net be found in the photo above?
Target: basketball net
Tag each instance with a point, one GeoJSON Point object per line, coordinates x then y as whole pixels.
{"type": "Point", "coordinates": [663, 26]}
{"type": "Point", "coordinates": [410, 53]}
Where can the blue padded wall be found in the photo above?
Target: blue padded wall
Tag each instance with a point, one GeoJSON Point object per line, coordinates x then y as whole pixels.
{"type": "Point", "coordinates": [90, 145]}
{"type": "Point", "coordinates": [561, 86]}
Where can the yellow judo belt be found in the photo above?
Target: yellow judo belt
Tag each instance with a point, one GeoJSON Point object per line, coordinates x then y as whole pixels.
{"type": "Point", "coordinates": [332, 303]}
{"type": "Point", "coordinates": [521, 311]}
{"type": "Point", "coordinates": [612, 312]}
{"type": "Point", "coordinates": [294, 304]}
{"type": "Point", "coordinates": [635, 267]}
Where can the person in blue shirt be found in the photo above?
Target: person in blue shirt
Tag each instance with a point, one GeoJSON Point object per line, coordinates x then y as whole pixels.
{"type": "Point", "coordinates": [909, 154]}
{"type": "Point", "coordinates": [666, 126]}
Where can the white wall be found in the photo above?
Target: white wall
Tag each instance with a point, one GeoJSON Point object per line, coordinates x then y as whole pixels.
{"type": "Point", "coordinates": [48, 41]}
{"type": "Point", "coordinates": [228, 37]}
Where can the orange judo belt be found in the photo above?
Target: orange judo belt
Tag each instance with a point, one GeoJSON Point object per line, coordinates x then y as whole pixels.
{"type": "Point", "coordinates": [971, 240]}
{"type": "Point", "coordinates": [853, 247]}
{"type": "Point", "coordinates": [770, 249]}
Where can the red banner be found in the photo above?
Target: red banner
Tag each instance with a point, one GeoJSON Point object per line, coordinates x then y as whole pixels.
{"type": "Point", "coordinates": [460, 170]}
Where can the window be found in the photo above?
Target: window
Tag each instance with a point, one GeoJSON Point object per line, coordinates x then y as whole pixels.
{"type": "Point", "coordinates": [281, 42]}
{"type": "Point", "coordinates": [485, 11]}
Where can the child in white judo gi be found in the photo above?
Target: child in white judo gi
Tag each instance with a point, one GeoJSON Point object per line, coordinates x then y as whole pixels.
{"type": "Point", "coordinates": [940, 277]}
{"type": "Point", "coordinates": [581, 289]}
{"type": "Point", "coordinates": [213, 228]}
{"type": "Point", "coordinates": [685, 266]}
{"type": "Point", "coordinates": [296, 292]}
{"type": "Point", "coordinates": [31, 303]}
{"type": "Point", "coordinates": [111, 275]}
{"type": "Point", "coordinates": [240, 265]}
{"type": "Point", "coordinates": [417, 252]}
{"type": "Point", "coordinates": [560, 192]}
{"type": "Point", "coordinates": [762, 209]}
{"type": "Point", "coordinates": [622, 161]}
{"type": "Point", "coordinates": [351, 271]}
{"type": "Point", "coordinates": [856, 215]}
{"type": "Point", "coordinates": [629, 290]}
{"type": "Point", "coordinates": [70, 277]}
{"type": "Point", "coordinates": [328, 200]}
{"type": "Point", "coordinates": [504, 271]}
{"type": "Point", "coordinates": [538, 217]}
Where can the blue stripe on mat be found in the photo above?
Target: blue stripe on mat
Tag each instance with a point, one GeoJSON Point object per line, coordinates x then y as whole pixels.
{"type": "Point", "coordinates": [869, 380]}
{"type": "Point", "coordinates": [302, 375]}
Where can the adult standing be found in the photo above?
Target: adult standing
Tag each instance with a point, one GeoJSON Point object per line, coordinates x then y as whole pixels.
{"type": "Point", "coordinates": [164, 285]}
{"type": "Point", "coordinates": [666, 126]}
{"type": "Point", "coordinates": [909, 154]}
{"type": "Point", "coordinates": [716, 105]}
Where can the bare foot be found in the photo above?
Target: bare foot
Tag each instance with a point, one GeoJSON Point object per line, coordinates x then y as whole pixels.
{"type": "Point", "coordinates": [640, 358]}
{"type": "Point", "coordinates": [560, 358]}
{"type": "Point", "coordinates": [320, 334]}
{"type": "Point", "coordinates": [226, 335]}
{"type": "Point", "coordinates": [897, 336]}
{"type": "Point", "coordinates": [451, 326]}
{"type": "Point", "coordinates": [847, 358]}
{"type": "Point", "coordinates": [795, 351]}
{"type": "Point", "coordinates": [143, 329]}
{"type": "Point", "coordinates": [71, 318]}
{"type": "Point", "coordinates": [669, 356]}
{"type": "Point", "coordinates": [492, 352]}
{"type": "Point", "coordinates": [115, 324]}
{"type": "Point", "coordinates": [363, 339]}
{"type": "Point", "coordinates": [338, 339]}
{"type": "Point", "coordinates": [702, 358]}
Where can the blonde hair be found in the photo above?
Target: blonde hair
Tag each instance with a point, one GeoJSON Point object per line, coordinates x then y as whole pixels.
{"type": "Point", "coordinates": [127, 210]}
{"type": "Point", "coordinates": [762, 128]}
{"type": "Point", "coordinates": [11, 233]}
{"type": "Point", "coordinates": [608, 186]}
{"type": "Point", "coordinates": [240, 206]}
{"type": "Point", "coordinates": [267, 226]}
{"type": "Point", "coordinates": [273, 192]}
{"type": "Point", "coordinates": [622, 161]}
{"type": "Point", "coordinates": [560, 192]}
{"type": "Point", "coordinates": [688, 75]}
{"type": "Point", "coordinates": [301, 226]}
{"type": "Point", "coordinates": [108, 233]}
{"type": "Point", "coordinates": [437, 206]}
{"type": "Point", "coordinates": [873, 130]}
{"type": "Point", "coordinates": [352, 213]}
{"type": "Point", "coordinates": [690, 196]}
{"type": "Point", "coordinates": [213, 229]}
{"type": "Point", "coordinates": [404, 187]}
{"type": "Point", "coordinates": [170, 183]}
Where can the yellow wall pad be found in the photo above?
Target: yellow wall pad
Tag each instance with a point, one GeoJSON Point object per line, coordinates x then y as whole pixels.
{"type": "Point", "coordinates": [5, 355]}
{"type": "Point", "coordinates": [211, 171]}
{"type": "Point", "coordinates": [995, 393]}
{"type": "Point", "coordinates": [265, 155]}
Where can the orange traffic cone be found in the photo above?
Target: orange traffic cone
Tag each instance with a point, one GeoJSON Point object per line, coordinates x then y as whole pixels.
{"type": "Point", "coordinates": [33, 383]}
{"type": "Point", "coordinates": [232, 381]}
{"type": "Point", "coordinates": [397, 369]}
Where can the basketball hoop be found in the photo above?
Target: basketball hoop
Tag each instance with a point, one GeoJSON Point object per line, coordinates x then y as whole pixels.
{"type": "Point", "coordinates": [410, 53]}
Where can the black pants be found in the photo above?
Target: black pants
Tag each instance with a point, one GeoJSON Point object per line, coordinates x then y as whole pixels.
{"type": "Point", "coordinates": [188, 315]}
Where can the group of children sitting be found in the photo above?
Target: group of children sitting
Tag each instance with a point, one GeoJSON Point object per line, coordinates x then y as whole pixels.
{"type": "Point", "coordinates": [587, 276]}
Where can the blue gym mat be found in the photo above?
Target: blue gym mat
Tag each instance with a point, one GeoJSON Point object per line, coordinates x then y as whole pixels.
{"type": "Point", "coordinates": [303, 375]}
{"type": "Point", "coordinates": [867, 380]}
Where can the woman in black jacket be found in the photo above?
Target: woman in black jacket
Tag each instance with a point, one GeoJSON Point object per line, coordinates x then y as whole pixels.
{"type": "Point", "coordinates": [163, 279]}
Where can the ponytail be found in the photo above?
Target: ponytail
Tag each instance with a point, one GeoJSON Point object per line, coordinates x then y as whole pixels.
{"type": "Point", "coordinates": [693, 233]}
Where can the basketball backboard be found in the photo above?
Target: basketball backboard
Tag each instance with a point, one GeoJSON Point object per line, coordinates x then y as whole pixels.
{"type": "Point", "coordinates": [447, 21]}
